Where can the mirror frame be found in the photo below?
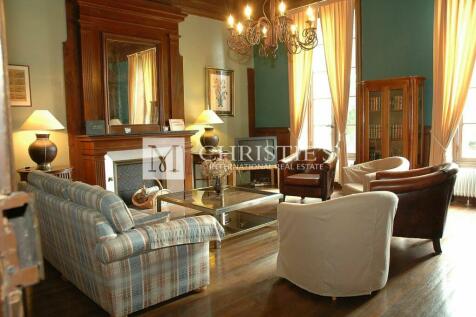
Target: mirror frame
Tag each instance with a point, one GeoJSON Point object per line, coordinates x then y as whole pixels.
{"type": "Point", "coordinates": [134, 128]}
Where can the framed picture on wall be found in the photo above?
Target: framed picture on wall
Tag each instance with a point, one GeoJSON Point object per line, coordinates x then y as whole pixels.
{"type": "Point", "coordinates": [19, 85]}
{"type": "Point", "coordinates": [220, 94]}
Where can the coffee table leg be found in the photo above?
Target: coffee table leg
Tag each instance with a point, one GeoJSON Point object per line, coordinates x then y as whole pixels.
{"type": "Point", "coordinates": [159, 205]}
{"type": "Point", "coordinates": [216, 245]}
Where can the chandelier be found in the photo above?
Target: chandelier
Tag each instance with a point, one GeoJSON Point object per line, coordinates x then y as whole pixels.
{"type": "Point", "coordinates": [268, 31]}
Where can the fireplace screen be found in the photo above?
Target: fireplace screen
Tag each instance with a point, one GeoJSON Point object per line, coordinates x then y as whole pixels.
{"type": "Point", "coordinates": [129, 179]}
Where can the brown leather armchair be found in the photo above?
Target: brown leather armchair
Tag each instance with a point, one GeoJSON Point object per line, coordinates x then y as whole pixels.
{"type": "Point", "coordinates": [309, 173]}
{"type": "Point", "coordinates": [424, 196]}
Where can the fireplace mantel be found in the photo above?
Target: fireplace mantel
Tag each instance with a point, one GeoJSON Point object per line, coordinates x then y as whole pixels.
{"type": "Point", "coordinates": [93, 148]}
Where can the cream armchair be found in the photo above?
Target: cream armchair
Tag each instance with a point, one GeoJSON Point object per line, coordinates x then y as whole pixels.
{"type": "Point", "coordinates": [356, 178]}
{"type": "Point", "coordinates": [339, 247]}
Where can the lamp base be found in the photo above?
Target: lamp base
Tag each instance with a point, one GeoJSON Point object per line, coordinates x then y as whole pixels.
{"type": "Point", "coordinates": [43, 151]}
{"type": "Point", "coordinates": [209, 140]}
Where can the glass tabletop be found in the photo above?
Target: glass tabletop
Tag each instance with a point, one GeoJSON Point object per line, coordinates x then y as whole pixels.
{"type": "Point", "coordinates": [233, 198]}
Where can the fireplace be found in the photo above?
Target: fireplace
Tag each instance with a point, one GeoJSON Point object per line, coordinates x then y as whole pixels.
{"type": "Point", "coordinates": [124, 174]}
{"type": "Point", "coordinates": [89, 166]}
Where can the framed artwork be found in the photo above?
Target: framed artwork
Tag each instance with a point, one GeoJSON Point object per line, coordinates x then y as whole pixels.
{"type": "Point", "coordinates": [220, 94]}
{"type": "Point", "coordinates": [176, 124]}
{"type": "Point", "coordinates": [19, 85]}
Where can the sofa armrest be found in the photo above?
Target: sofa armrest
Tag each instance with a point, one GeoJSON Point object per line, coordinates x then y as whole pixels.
{"type": "Point", "coordinates": [160, 235]}
{"type": "Point", "coordinates": [184, 231]}
{"type": "Point", "coordinates": [159, 217]}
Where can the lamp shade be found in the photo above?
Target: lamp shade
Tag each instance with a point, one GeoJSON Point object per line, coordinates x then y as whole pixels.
{"type": "Point", "coordinates": [41, 120]}
{"type": "Point", "coordinates": [208, 116]}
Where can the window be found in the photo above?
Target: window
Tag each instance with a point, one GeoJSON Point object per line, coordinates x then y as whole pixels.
{"type": "Point", "coordinates": [466, 136]}
{"type": "Point", "coordinates": [323, 133]}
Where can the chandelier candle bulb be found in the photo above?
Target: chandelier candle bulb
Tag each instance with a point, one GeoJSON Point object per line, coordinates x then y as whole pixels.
{"type": "Point", "coordinates": [248, 12]}
{"type": "Point", "coordinates": [239, 28]}
{"type": "Point", "coordinates": [265, 31]}
{"type": "Point", "coordinates": [231, 21]}
{"type": "Point", "coordinates": [310, 14]}
{"type": "Point", "coordinates": [293, 29]}
{"type": "Point", "coordinates": [282, 8]}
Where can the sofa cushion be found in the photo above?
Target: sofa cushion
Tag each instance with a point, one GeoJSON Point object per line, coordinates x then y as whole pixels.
{"type": "Point", "coordinates": [303, 179]}
{"type": "Point", "coordinates": [35, 178]}
{"type": "Point", "coordinates": [109, 204]}
{"type": "Point", "coordinates": [49, 183]}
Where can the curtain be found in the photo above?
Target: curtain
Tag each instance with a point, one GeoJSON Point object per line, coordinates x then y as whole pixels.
{"type": "Point", "coordinates": [337, 20]}
{"type": "Point", "coordinates": [142, 86]}
{"type": "Point", "coordinates": [300, 70]}
{"type": "Point", "coordinates": [454, 54]}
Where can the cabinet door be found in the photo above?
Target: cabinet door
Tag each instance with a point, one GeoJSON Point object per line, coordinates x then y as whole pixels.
{"type": "Point", "coordinates": [373, 129]}
{"type": "Point", "coordinates": [397, 134]}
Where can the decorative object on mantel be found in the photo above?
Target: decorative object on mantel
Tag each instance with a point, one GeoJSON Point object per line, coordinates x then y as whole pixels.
{"type": "Point", "coordinates": [268, 31]}
{"type": "Point", "coordinates": [176, 124]}
{"type": "Point", "coordinates": [217, 169]}
{"type": "Point", "coordinates": [220, 91]}
{"type": "Point", "coordinates": [19, 85]}
{"type": "Point", "coordinates": [96, 127]}
{"type": "Point", "coordinates": [146, 198]}
{"type": "Point", "coordinates": [209, 139]}
{"type": "Point", "coordinates": [42, 151]}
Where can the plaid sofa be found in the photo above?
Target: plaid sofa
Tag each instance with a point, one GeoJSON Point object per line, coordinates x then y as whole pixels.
{"type": "Point", "coordinates": [124, 261]}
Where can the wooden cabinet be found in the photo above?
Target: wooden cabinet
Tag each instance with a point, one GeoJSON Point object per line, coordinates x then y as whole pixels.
{"type": "Point", "coordinates": [390, 119]}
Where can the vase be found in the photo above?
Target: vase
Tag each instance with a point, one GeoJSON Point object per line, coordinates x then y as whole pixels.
{"type": "Point", "coordinates": [218, 187]}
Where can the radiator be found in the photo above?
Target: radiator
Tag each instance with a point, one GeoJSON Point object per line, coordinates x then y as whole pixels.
{"type": "Point", "coordinates": [466, 182]}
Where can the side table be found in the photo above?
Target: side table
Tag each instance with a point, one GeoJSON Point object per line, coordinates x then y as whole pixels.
{"type": "Point", "coordinates": [58, 171]}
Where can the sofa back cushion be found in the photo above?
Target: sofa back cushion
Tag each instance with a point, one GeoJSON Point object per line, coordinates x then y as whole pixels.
{"type": "Point", "coordinates": [109, 204]}
{"type": "Point", "coordinates": [49, 183]}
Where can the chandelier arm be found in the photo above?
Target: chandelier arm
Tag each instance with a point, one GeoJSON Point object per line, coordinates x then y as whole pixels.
{"type": "Point", "coordinates": [268, 31]}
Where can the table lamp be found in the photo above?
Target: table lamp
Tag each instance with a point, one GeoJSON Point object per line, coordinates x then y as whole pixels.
{"type": "Point", "coordinates": [209, 139]}
{"type": "Point", "coordinates": [42, 151]}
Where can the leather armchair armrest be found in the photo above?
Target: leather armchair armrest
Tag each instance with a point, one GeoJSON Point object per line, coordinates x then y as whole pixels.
{"type": "Point", "coordinates": [404, 174]}
{"type": "Point", "coordinates": [330, 162]}
{"type": "Point", "coordinates": [405, 185]}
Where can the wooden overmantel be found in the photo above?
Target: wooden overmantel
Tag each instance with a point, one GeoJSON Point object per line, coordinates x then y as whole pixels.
{"type": "Point", "coordinates": [88, 23]}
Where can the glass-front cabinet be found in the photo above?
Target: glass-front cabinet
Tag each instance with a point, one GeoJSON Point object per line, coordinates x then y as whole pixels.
{"type": "Point", "coordinates": [390, 119]}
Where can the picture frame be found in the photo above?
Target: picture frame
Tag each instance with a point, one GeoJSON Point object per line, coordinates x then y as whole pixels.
{"type": "Point", "coordinates": [220, 91]}
{"type": "Point", "coordinates": [19, 85]}
{"type": "Point", "coordinates": [176, 124]}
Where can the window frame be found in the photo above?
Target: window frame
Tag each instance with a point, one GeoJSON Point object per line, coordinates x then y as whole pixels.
{"type": "Point", "coordinates": [457, 149]}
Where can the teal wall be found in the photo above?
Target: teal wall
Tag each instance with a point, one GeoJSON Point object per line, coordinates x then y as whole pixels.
{"type": "Point", "coordinates": [271, 90]}
{"type": "Point", "coordinates": [397, 40]}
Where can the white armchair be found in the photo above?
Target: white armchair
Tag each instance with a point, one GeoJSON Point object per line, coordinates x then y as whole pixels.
{"type": "Point", "coordinates": [337, 248]}
{"type": "Point", "coordinates": [356, 178]}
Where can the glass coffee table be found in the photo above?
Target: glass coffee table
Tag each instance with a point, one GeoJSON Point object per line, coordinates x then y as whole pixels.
{"type": "Point", "coordinates": [233, 209]}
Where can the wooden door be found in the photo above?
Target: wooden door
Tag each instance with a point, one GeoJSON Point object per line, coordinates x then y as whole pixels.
{"type": "Point", "coordinates": [6, 159]}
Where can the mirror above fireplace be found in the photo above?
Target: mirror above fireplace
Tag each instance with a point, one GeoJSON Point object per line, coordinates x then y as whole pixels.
{"type": "Point", "coordinates": [132, 82]}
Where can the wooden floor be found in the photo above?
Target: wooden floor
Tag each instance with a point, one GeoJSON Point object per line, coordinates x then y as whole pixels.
{"type": "Point", "coordinates": [243, 282]}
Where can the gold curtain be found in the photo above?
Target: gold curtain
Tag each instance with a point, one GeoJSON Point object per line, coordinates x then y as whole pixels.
{"type": "Point", "coordinates": [337, 20]}
{"type": "Point", "coordinates": [300, 70]}
{"type": "Point", "coordinates": [142, 86]}
{"type": "Point", "coordinates": [454, 54]}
